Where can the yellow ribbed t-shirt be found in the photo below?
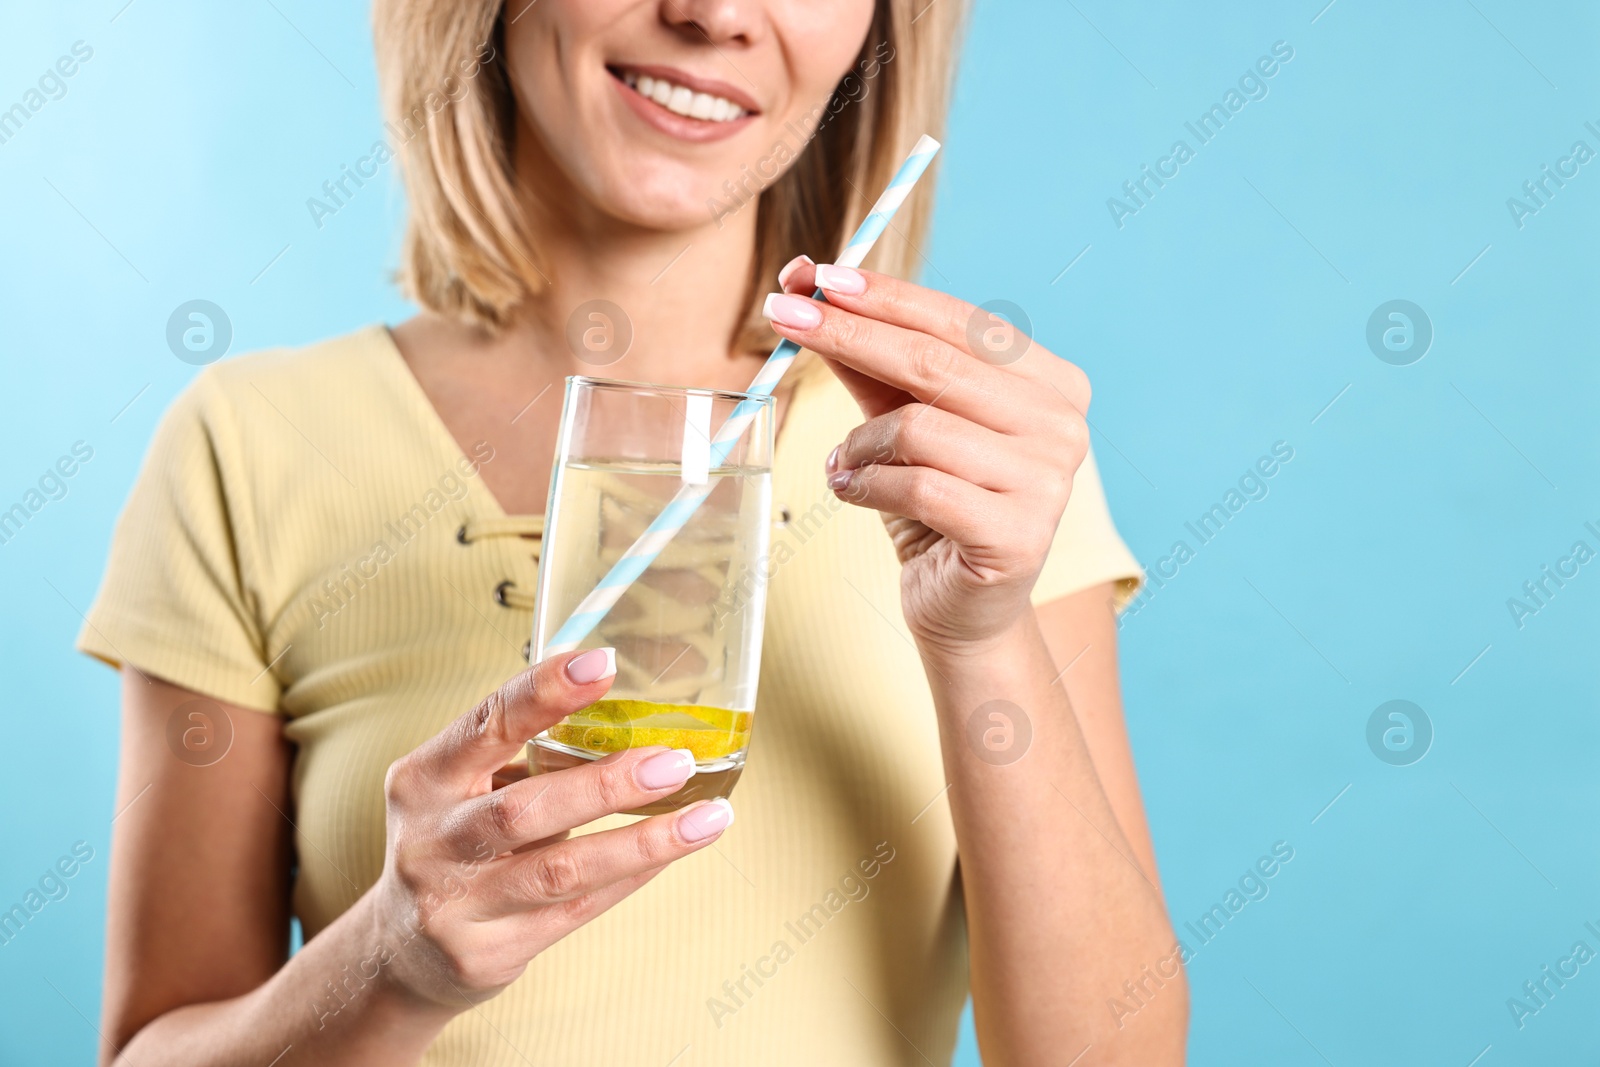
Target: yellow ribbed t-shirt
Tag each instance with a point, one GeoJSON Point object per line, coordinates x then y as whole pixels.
{"type": "Point", "coordinates": [291, 546]}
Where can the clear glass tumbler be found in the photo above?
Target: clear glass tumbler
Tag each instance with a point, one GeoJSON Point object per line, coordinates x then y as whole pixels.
{"type": "Point", "coordinates": [688, 631]}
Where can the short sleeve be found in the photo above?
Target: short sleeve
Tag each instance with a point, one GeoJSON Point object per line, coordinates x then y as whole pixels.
{"type": "Point", "coordinates": [1087, 549]}
{"type": "Point", "coordinates": [178, 599]}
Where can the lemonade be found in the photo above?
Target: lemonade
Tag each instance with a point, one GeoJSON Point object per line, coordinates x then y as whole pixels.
{"type": "Point", "coordinates": [712, 734]}
{"type": "Point", "coordinates": [717, 737]}
{"type": "Point", "coordinates": [687, 632]}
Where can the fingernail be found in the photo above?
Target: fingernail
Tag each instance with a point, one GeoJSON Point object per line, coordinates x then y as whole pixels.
{"type": "Point", "coordinates": [840, 480]}
{"type": "Point", "coordinates": [833, 460]}
{"type": "Point", "coordinates": [792, 311]}
{"type": "Point", "coordinates": [837, 279]}
{"type": "Point", "coordinates": [789, 268]}
{"type": "Point", "coordinates": [707, 820]}
{"type": "Point", "coordinates": [593, 665]}
{"type": "Point", "coordinates": [665, 770]}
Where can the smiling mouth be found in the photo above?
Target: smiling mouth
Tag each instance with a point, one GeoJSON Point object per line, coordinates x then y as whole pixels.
{"type": "Point", "coordinates": [680, 99]}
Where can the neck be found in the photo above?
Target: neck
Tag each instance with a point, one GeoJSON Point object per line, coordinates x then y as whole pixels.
{"type": "Point", "coordinates": [680, 292]}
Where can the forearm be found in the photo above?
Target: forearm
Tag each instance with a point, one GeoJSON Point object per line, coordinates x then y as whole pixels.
{"type": "Point", "coordinates": [1060, 913]}
{"type": "Point", "coordinates": [331, 1003]}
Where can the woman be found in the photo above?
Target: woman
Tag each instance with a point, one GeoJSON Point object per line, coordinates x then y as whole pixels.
{"type": "Point", "coordinates": [322, 575]}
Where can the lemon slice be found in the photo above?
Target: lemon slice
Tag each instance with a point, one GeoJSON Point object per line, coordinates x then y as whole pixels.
{"type": "Point", "coordinates": [613, 725]}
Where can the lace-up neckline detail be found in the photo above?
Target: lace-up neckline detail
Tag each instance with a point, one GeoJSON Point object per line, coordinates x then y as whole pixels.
{"type": "Point", "coordinates": [527, 527]}
{"type": "Point", "coordinates": [481, 529]}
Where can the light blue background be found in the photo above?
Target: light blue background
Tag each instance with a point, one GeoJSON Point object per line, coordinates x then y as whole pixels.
{"type": "Point", "coordinates": [1223, 317]}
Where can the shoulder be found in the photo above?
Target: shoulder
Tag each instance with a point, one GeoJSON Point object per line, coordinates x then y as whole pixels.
{"type": "Point", "coordinates": [350, 361]}
{"type": "Point", "coordinates": [271, 402]}
{"type": "Point", "coordinates": [264, 429]}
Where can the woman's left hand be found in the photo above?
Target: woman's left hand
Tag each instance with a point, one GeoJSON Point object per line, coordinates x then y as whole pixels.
{"type": "Point", "coordinates": [972, 439]}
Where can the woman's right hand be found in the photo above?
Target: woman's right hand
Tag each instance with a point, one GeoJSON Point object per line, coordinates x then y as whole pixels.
{"type": "Point", "coordinates": [477, 880]}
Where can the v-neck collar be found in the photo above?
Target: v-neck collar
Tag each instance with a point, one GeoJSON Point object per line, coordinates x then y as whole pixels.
{"type": "Point", "coordinates": [433, 424]}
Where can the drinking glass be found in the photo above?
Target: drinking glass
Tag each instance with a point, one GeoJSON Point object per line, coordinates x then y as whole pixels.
{"type": "Point", "coordinates": [687, 632]}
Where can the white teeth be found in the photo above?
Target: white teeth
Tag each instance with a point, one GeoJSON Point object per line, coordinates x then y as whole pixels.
{"type": "Point", "coordinates": [682, 100]}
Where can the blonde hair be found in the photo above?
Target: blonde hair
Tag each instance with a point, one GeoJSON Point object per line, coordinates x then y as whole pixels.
{"type": "Point", "coordinates": [471, 245]}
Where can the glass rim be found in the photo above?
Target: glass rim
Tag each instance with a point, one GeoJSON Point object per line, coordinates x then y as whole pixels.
{"type": "Point", "coordinates": [621, 384]}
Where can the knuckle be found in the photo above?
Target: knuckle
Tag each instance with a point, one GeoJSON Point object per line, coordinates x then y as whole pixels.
{"type": "Point", "coordinates": [856, 444]}
{"type": "Point", "coordinates": [1076, 432]}
{"type": "Point", "coordinates": [492, 719]}
{"type": "Point", "coordinates": [931, 362]}
{"type": "Point", "coordinates": [960, 318]}
{"type": "Point", "coordinates": [613, 785]}
{"type": "Point", "coordinates": [578, 910]}
{"type": "Point", "coordinates": [1078, 388]}
{"type": "Point", "coordinates": [554, 875]}
{"type": "Point", "coordinates": [909, 429]}
{"type": "Point", "coordinates": [505, 817]}
{"type": "Point", "coordinates": [655, 845]}
{"type": "Point", "coordinates": [485, 718]}
{"type": "Point", "coordinates": [399, 781]}
{"type": "Point", "coordinates": [1074, 428]}
{"type": "Point", "coordinates": [848, 332]}
{"type": "Point", "coordinates": [923, 487]}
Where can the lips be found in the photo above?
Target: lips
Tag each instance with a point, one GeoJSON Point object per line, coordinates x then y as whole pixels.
{"type": "Point", "coordinates": [681, 100]}
{"type": "Point", "coordinates": [684, 105]}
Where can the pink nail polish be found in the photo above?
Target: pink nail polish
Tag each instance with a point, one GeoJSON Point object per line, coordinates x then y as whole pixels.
{"type": "Point", "coordinates": [593, 665]}
{"type": "Point", "coordinates": [837, 279]}
{"type": "Point", "coordinates": [833, 460]}
{"type": "Point", "coordinates": [707, 820]}
{"type": "Point", "coordinates": [665, 770]}
{"type": "Point", "coordinates": [790, 267]}
{"type": "Point", "coordinates": [840, 480]}
{"type": "Point", "coordinates": [796, 312]}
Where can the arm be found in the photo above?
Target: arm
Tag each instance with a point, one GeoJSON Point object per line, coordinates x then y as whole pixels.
{"type": "Point", "coordinates": [1081, 630]}
{"type": "Point", "coordinates": [476, 880]}
{"type": "Point", "coordinates": [973, 436]}
{"type": "Point", "coordinates": [197, 931]}
{"type": "Point", "coordinates": [1058, 873]}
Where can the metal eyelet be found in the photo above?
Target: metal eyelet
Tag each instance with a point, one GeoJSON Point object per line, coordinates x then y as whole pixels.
{"type": "Point", "coordinates": [461, 535]}
{"type": "Point", "coordinates": [500, 592]}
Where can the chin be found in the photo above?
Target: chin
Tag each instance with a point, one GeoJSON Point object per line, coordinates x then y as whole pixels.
{"type": "Point", "coordinates": [664, 194]}
{"type": "Point", "coordinates": [661, 153]}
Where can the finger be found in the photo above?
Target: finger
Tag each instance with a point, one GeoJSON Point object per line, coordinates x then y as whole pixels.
{"type": "Point", "coordinates": [961, 511]}
{"type": "Point", "coordinates": [925, 367]}
{"type": "Point", "coordinates": [463, 758]}
{"type": "Point", "coordinates": [587, 864]}
{"type": "Point", "coordinates": [537, 930]}
{"type": "Point", "coordinates": [979, 331]}
{"type": "Point", "coordinates": [798, 278]}
{"type": "Point", "coordinates": [543, 841]}
{"type": "Point", "coordinates": [976, 331]}
{"type": "Point", "coordinates": [547, 804]}
{"type": "Point", "coordinates": [917, 435]}
{"type": "Point", "coordinates": [798, 275]}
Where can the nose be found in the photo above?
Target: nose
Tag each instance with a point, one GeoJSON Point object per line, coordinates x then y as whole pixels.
{"type": "Point", "coordinates": [716, 21]}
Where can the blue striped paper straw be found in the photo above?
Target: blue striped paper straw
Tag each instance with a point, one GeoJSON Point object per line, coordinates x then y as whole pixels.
{"type": "Point", "coordinates": [682, 507]}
